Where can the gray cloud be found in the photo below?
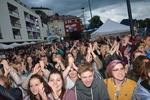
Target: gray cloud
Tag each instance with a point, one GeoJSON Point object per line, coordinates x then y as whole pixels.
{"type": "Point", "coordinates": [113, 9]}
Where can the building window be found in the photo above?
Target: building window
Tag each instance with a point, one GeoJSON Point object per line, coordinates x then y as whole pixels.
{"type": "Point", "coordinates": [67, 26]}
{"type": "Point", "coordinates": [1, 34]}
{"type": "Point", "coordinates": [74, 25]}
{"type": "Point", "coordinates": [16, 34]}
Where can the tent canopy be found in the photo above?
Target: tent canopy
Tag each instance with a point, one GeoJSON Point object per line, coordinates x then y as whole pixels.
{"type": "Point", "coordinates": [51, 38]}
{"type": "Point", "coordinates": [4, 46]}
{"type": "Point", "coordinates": [15, 44]}
{"type": "Point", "coordinates": [110, 27]}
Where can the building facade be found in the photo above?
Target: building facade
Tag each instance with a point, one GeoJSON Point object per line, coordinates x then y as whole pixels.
{"type": "Point", "coordinates": [19, 23]}
{"type": "Point", "coordinates": [64, 24]}
{"type": "Point", "coordinates": [56, 27]}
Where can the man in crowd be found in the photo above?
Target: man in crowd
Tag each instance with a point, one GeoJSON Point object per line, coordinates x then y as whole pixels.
{"type": "Point", "coordinates": [87, 87]}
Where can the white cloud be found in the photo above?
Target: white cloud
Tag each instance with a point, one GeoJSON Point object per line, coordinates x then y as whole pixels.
{"type": "Point", "coordinates": [117, 12]}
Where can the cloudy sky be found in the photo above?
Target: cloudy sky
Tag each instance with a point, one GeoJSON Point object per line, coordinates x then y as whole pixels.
{"type": "Point", "coordinates": [115, 10]}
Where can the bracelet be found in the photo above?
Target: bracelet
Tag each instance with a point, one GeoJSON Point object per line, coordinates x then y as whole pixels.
{"type": "Point", "coordinates": [68, 68]}
{"type": "Point", "coordinates": [57, 98]}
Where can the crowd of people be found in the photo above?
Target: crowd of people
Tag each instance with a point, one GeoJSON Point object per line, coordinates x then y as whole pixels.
{"type": "Point", "coordinates": [104, 69]}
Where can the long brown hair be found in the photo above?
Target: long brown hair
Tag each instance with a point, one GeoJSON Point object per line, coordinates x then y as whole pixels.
{"type": "Point", "coordinates": [55, 71]}
{"type": "Point", "coordinates": [145, 69]}
{"type": "Point", "coordinates": [6, 81]}
{"type": "Point", "coordinates": [46, 86]}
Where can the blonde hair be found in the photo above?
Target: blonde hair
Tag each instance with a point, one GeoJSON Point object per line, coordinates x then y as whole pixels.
{"type": "Point", "coordinates": [6, 81]}
{"type": "Point", "coordinates": [85, 67]}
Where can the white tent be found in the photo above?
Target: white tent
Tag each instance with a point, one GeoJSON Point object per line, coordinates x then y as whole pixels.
{"type": "Point", "coordinates": [51, 38]}
{"type": "Point", "coordinates": [4, 46]}
{"type": "Point", "coordinates": [25, 43]}
{"type": "Point", "coordinates": [15, 44]}
{"type": "Point", "coordinates": [32, 42]}
{"type": "Point", "coordinates": [110, 27]}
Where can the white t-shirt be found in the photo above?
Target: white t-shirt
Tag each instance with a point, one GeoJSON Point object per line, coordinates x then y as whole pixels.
{"type": "Point", "coordinates": [69, 83]}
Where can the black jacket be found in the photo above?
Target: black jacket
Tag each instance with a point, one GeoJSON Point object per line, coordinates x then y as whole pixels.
{"type": "Point", "coordinates": [13, 94]}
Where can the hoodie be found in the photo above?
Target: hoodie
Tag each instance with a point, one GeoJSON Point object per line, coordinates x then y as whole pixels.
{"type": "Point", "coordinates": [97, 91]}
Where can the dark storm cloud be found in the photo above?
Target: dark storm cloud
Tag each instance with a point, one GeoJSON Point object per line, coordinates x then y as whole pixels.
{"type": "Point", "coordinates": [104, 8]}
{"type": "Point", "coordinates": [65, 6]}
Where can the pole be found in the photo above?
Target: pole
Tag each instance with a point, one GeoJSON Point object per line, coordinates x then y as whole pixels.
{"type": "Point", "coordinates": [90, 13]}
{"type": "Point", "coordinates": [84, 18]}
{"type": "Point", "coordinates": [130, 17]}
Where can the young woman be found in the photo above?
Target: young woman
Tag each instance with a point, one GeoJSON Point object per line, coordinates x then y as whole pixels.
{"type": "Point", "coordinates": [141, 91]}
{"type": "Point", "coordinates": [56, 82]}
{"type": "Point", "coordinates": [92, 58]}
{"type": "Point", "coordinates": [7, 92]}
{"type": "Point", "coordinates": [70, 73]}
{"type": "Point", "coordinates": [119, 87]}
{"type": "Point", "coordinates": [59, 62]}
{"type": "Point", "coordinates": [29, 64]}
{"type": "Point", "coordinates": [38, 88]}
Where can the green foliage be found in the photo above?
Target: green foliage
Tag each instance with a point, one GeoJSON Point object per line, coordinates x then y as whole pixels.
{"type": "Point", "coordinates": [95, 22]}
{"type": "Point", "coordinates": [144, 23]}
{"type": "Point", "coordinates": [56, 14]}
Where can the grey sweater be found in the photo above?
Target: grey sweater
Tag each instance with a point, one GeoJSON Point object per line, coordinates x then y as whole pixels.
{"type": "Point", "coordinates": [97, 91]}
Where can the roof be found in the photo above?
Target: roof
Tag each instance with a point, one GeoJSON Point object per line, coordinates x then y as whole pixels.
{"type": "Point", "coordinates": [64, 17]}
{"type": "Point", "coordinates": [127, 21]}
{"type": "Point", "coordinates": [40, 8]}
{"type": "Point", "coordinates": [110, 27]}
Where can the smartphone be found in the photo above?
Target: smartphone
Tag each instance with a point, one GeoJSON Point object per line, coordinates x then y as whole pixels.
{"type": "Point", "coordinates": [129, 48]}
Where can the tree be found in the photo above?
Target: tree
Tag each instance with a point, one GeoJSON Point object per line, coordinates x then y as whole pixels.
{"type": "Point", "coordinates": [95, 22]}
{"type": "Point", "coordinates": [147, 22]}
{"type": "Point", "coordinates": [144, 23]}
{"type": "Point", "coordinates": [141, 23]}
{"type": "Point", "coordinates": [57, 15]}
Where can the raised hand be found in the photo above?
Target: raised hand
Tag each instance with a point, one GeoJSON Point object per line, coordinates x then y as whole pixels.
{"type": "Point", "coordinates": [5, 64]}
{"type": "Point", "coordinates": [36, 69]}
{"type": "Point", "coordinates": [57, 66]}
{"type": "Point", "coordinates": [42, 93]}
{"type": "Point", "coordinates": [42, 65]}
{"type": "Point", "coordinates": [54, 89]}
{"type": "Point", "coordinates": [71, 60]}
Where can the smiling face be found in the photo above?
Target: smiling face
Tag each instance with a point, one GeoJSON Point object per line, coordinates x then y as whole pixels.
{"type": "Point", "coordinates": [147, 41]}
{"type": "Point", "coordinates": [34, 84]}
{"type": "Point", "coordinates": [56, 80]}
{"type": "Point", "coordinates": [118, 72]}
{"type": "Point", "coordinates": [73, 73]}
{"type": "Point", "coordinates": [88, 58]}
{"type": "Point", "coordinates": [103, 48]}
{"type": "Point", "coordinates": [87, 78]}
{"type": "Point", "coordinates": [141, 48]}
{"type": "Point", "coordinates": [74, 52]}
{"type": "Point", "coordinates": [29, 60]}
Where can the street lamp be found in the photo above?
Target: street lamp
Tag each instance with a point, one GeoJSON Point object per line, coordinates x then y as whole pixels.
{"type": "Point", "coordinates": [84, 18]}
{"type": "Point", "coordinates": [90, 13]}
